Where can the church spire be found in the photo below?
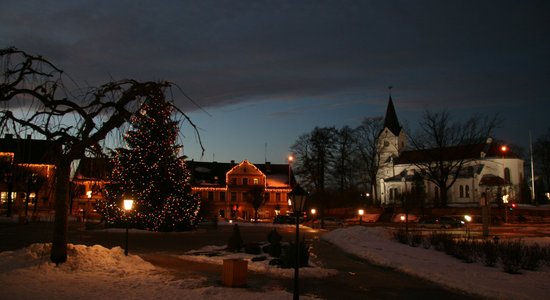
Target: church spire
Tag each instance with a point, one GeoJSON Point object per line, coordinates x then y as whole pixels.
{"type": "Point", "coordinates": [390, 121]}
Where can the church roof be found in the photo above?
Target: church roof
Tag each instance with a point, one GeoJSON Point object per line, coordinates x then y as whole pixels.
{"type": "Point", "coordinates": [472, 151]}
{"type": "Point", "coordinates": [390, 121]}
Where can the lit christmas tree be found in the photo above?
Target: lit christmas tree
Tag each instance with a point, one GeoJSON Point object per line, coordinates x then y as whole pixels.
{"type": "Point", "coordinates": [151, 172]}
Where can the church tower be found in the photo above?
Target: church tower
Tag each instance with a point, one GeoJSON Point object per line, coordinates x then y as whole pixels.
{"type": "Point", "coordinates": [392, 139]}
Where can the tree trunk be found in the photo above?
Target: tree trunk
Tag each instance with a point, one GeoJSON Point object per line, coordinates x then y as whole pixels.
{"type": "Point", "coordinates": [59, 243]}
{"type": "Point", "coordinates": [443, 197]}
{"type": "Point", "coordinates": [10, 200]}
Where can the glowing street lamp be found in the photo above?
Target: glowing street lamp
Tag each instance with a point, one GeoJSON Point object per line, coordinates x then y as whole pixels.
{"type": "Point", "coordinates": [290, 160]}
{"type": "Point", "coordinates": [128, 204]}
{"type": "Point", "coordinates": [361, 213]}
{"type": "Point", "coordinates": [313, 212]}
{"type": "Point", "coordinates": [468, 219]}
{"type": "Point", "coordinates": [503, 150]}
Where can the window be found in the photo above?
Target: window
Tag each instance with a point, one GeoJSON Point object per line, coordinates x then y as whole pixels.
{"type": "Point", "coordinates": [507, 174]}
{"type": "Point", "coordinates": [278, 197]}
{"type": "Point", "coordinates": [222, 196]}
{"type": "Point", "coordinates": [245, 181]}
{"type": "Point", "coordinates": [245, 196]}
{"type": "Point", "coordinates": [267, 197]}
{"type": "Point", "coordinates": [467, 191]}
{"type": "Point", "coordinates": [256, 181]}
{"type": "Point", "coordinates": [461, 189]}
{"type": "Point", "coordinates": [394, 193]}
{"type": "Point", "coordinates": [233, 196]}
{"type": "Point", "coordinates": [210, 196]}
{"type": "Point", "coordinates": [436, 192]}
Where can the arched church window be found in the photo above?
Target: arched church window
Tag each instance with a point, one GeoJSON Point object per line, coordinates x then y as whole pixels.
{"type": "Point", "coordinates": [507, 174]}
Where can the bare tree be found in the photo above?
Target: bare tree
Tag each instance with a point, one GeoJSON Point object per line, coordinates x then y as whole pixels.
{"type": "Point", "coordinates": [443, 145]}
{"type": "Point", "coordinates": [314, 152]}
{"type": "Point", "coordinates": [344, 167]}
{"type": "Point", "coordinates": [368, 150]}
{"type": "Point", "coordinates": [74, 123]}
{"type": "Point", "coordinates": [256, 196]}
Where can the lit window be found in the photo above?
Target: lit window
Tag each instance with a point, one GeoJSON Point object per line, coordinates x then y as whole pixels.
{"type": "Point", "coordinates": [256, 181]}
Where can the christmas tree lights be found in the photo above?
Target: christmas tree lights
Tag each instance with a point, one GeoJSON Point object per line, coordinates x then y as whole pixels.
{"type": "Point", "coordinates": [150, 170]}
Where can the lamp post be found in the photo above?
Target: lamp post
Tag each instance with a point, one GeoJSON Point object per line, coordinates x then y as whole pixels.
{"type": "Point", "coordinates": [361, 213]}
{"type": "Point", "coordinates": [468, 219]}
{"type": "Point", "coordinates": [298, 196]}
{"type": "Point", "coordinates": [89, 206]}
{"type": "Point", "coordinates": [290, 160]}
{"type": "Point", "coordinates": [503, 150]}
{"type": "Point", "coordinates": [128, 203]}
{"type": "Point", "coordinates": [313, 212]}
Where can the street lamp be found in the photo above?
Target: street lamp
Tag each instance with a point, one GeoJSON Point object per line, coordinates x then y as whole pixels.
{"type": "Point", "coordinates": [290, 160]}
{"type": "Point", "coordinates": [128, 203]}
{"type": "Point", "coordinates": [298, 196]}
{"type": "Point", "coordinates": [468, 219]}
{"type": "Point", "coordinates": [503, 150]}
{"type": "Point", "coordinates": [313, 212]}
{"type": "Point", "coordinates": [361, 213]}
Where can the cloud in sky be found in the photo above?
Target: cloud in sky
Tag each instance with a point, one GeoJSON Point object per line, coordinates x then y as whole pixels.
{"type": "Point", "coordinates": [489, 56]}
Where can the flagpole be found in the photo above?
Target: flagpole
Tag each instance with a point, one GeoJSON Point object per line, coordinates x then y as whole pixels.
{"type": "Point", "coordinates": [532, 169]}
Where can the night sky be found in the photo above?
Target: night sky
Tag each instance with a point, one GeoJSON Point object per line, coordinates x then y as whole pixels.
{"type": "Point", "coordinates": [266, 72]}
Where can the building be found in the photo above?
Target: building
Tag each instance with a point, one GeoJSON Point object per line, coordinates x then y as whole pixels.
{"type": "Point", "coordinates": [89, 178]}
{"type": "Point", "coordinates": [228, 189]}
{"type": "Point", "coordinates": [27, 170]}
{"type": "Point", "coordinates": [489, 170]}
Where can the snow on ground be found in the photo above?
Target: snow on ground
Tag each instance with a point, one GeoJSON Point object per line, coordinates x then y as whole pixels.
{"type": "Point", "coordinates": [99, 273]}
{"type": "Point", "coordinates": [375, 244]}
{"type": "Point", "coordinates": [93, 272]}
{"type": "Point", "coordinates": [312, 271]}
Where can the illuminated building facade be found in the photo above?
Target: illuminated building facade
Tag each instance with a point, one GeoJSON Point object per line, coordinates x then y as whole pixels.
{"type": "Point", "coordinates": [27, 169]}
{"type": "Point", "coordinates": [228, 189]}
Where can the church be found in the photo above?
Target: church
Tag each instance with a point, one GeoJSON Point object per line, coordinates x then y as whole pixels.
{"type": "Point", "coordinates": [490, 170]}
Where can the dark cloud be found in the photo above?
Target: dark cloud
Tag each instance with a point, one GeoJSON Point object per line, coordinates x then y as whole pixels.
{"type": "Point", "coordinates": [450, 54]}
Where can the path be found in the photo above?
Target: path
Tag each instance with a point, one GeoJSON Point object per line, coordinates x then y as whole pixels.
{"type": "Point", "coordinates": [357, 279]}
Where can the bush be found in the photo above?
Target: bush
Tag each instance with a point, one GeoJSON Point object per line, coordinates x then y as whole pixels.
{"type": "Point", "coordinates": [415, 239]}
{"type": "Point", "coordinates": [426, 242]}
{"type": "Point", "coordinates": [274, 239]}
{"type": "Point", "coordinates": [288, 257]}
{"type": "Point", "coordinates": [532, 257]}
{"type": "Point", "coordinates": [235, 242]}
{"type": "Point", "coordinates": [438, 240]}
{"type": "Point", "coordinates": [511, 256]}
{"type": "Point", "coordinates": [465, 250]}
{"type": "Point", "coordinates": [253, 248]}
{"type": "Point", "coordinates": [489, 251]}
{"type": "Point", "coordinates": [401, 236]}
